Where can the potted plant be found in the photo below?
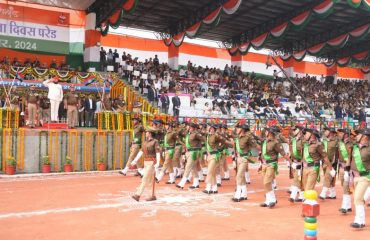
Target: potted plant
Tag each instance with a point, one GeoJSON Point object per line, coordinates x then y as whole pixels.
{"type": "Point", "coordinates": [11, 165]}
{"type": "Point", "coordinates": [46, 168]}
{"type": "Point", "coordinates": [101, 164]}
{"type": "Point", "coordinates": [68, 165]}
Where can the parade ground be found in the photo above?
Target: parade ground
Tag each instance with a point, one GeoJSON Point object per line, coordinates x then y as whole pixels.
{"type": "Point", "coordinates": [99, 206]}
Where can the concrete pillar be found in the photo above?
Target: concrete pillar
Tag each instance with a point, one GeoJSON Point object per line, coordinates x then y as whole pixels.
{"type": "Point", "coordinates": [92, 43]}
{"type": "Point", "coordinates": [173, 57]}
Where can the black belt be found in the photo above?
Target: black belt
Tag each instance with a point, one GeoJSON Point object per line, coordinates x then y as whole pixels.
{"type": "Point", "coordinates": [193, 149]}
{"type": "Point", "coordinates": [214, 152]}
{"type": "Point", "coordinates": [313, 164]}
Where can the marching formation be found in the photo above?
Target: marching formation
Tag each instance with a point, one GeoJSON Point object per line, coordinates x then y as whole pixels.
{"type": "Point", "coordinates": [197, 152]}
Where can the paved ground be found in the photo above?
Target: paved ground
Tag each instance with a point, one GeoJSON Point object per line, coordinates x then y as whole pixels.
{"type": "Point", "coordinates": [99, 206]}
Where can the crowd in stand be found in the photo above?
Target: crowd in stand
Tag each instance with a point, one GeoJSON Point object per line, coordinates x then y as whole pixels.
{"type": "Point", "coordinates": [229, 90]}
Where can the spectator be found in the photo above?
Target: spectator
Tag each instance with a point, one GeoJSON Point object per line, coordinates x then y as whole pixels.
{"type": "Point", "coordinates": [165, 102]}
{"type": "Point", "coordinates": [176, 103]}
{"type": "Point", "coordinates": [103, 59]}
{"type": "Point", "coordinates": [90, 108]}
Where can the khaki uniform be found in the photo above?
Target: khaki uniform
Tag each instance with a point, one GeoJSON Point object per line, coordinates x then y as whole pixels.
{"type": "Point", "coordinates": [150, 149]}
{"type": "Point", "coordinates": [332, 152]}
{"type": "Point", "coordinates": [296, 153]}
{"type": "Point", "coordinates": [214, 141]}
{"type": "Point", "coordinates": [136, 145]}
{"type": "Point", "coordinates": [310, 174]}
{"type": "Point", "coordinates": [72, 111]}
{"type": "Point", "coordinates": [193, 143]}
{"type": "Point", "coordinates": [32, 108]}
{"type": "Point", "coordinates": [181, 133]}
{"type": "Point", "coordinates": [361, 180]}
{"type": "Point", "coordinates": [169, 145]}
{"type": "Point", "coordinates": [345, 151]}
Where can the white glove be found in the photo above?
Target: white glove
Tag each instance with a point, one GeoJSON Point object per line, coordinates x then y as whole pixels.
{"type": "Point", "coordinates": [332, 173]}
{"type": "Point", "coordinates": [136, 159]}
{"type": "Point", "coordinates": [299, 172]}
{"type": "Point", "coordinates": [294, 165]}
{"type": "Point", "coordinates": [346, 176]}
{"type": "Point", "coordinates": [158, 158]}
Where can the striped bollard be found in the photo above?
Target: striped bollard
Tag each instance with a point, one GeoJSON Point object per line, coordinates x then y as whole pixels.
{"type": "Point", "coordinates": [310, 211]}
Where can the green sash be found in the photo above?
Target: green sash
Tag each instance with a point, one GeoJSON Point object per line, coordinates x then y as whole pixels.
{"type": "Point", "coordinates": [295, 150]}
{"type": "Point", "coordinates": [136, 139]}
{"type": "Point", "coordinates": [209, 149]}
{"type": "Point", "coordinates": [343, 151]}
{"type": "Point", "coordinates": [358, 160]}
{"type": "Point", "coordinates": [166, 145]}
{"type": "Point", "coordinates": [326, 144]}
{"type": "Point", "coordinates": [240, 151]}
{"type": "Point", "coordinates": [308, 158]}
{"type": "Point", "coordinates": [268, 157]}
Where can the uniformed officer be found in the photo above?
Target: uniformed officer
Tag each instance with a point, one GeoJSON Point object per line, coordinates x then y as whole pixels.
{"type": "Point", "coordinates": [135, 146]}
{"type": "Point", "coordinates": [345, 152]}
{"type": "Point", "coordinates": [213, 143]}
{"type": "Point", "coordinates": [244, 142]}
{"type": "Point", "coordinates": [331, 147]}
{"type": "Point", "coordinates": [313, 152]}
{"type": "Point", "coordinates": [32, 106]}
{"type": "Point", "coordinates": [152, 157]}
{"type": "Point", "coordinates": [271, 148]}
{"type": "Point", "coordinates": [170, 139]}
{"type": "Point", "coordinates": [193, 144]}
{"type": "Point", "coordinates": [296, 152]}
{"type": "Point", "coordinates": [360, 167]}
{"type": "Point", "coordinates": [178, 165]}
{"type": "Point", "coordinates": [71, 102]}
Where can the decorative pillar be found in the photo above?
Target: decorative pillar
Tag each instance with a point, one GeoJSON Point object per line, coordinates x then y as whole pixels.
{"type": "Point", "coordinates": [92, 43]}
{"type": "Point", "coordinates": [310, 211]}
{"type": "Point", "coordinates": [173, 57]}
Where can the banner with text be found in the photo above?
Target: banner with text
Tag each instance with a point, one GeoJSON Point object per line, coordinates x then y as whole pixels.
{"type": "Point", "coordinates": [36, 30]}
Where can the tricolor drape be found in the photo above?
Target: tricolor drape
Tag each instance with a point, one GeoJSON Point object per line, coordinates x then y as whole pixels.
{"type": "Point", "coordinates": [347, 60]}
{"type": "Point", "coordinates": [357, 3]}
{"type": "Point", "coordinates": [337, 42]}
{"type": "Point", "coordinates": [322, 10]}
{"type": "Point", "coordinates": [213, 18]}
{"type": "Point", "coordinates": [116, 19]}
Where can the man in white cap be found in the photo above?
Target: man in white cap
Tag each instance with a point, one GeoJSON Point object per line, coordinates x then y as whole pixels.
{"type": "Point", "coordinates": [55, 95]}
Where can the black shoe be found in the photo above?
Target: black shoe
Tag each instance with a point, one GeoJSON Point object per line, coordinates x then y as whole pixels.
{"type": "Point", "coordinates": [201, 180]}
{"type": "Point", "coordinates": [342, 210]}
{"type": "Point", "coordinates": [291, 200]}
{"type": "Point", "coordinates": [124, 174]}
{"type": "Point", "coordinates": [178, 186]}
{"type": "Point", "coordinates": [187, 181]}
{"type": "Point", "coordinates": [368, 204]}
{"type": "Point", "coordinates": [349, 210]}
{"type": "Point", "coordinates": [275, 187]}
{"type": "Point", "coordinates": [204, 174]}
{"type": "Point", "coordinates": [263, 205]}
{"type": "Point", "coordinates": [236, 199]}
{"type": "Point", "coordinates": [322, 198]}
{"type": "Point", "coordinates": [357, 225]}
{"type": "Point", "coordinates": [226, 179]}
{"type": "Point", "coordinates": [208, 192]}
{"type": "Point", "coordinates": [331, 198]}
{"type": "Point", "coordinates": [289, 191]}
{"type": "Point", "coordinates": [157, 180]}
{"type": "Point", "coordinates": [248, 183]}
{"type": "Point", "coordinates": [299, 200]}
{"type": "Point", "coordinates": [193, 187]}
{"type": "Point", "coordinates": [218, 184]}
{"type": "Point", "coordinates": [243, 198]}
{"type": "Point", "coordinates": [170, 182]}
{"type": "Point", "coordinates": [213, 192]}
{"type": "Point", "coordinates": [271, 205]}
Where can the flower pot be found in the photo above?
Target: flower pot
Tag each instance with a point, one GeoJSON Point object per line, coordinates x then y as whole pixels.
{"type": "Point", "coordinates": [68, 168]}
{"type": "Point", "coordinates": [101, 167]}
{"type": "Point", "coordinates": [46, 168]}
{"type": "Point", "coordinates": [10, 169]}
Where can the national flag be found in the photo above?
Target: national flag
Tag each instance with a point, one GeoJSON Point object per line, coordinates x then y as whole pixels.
{"type": "Point", "coordinates": [109, 81]}
{"type": "Point", "coordinates": [89, 80]}
{"type": "Point", "coordinates": [19, 76]}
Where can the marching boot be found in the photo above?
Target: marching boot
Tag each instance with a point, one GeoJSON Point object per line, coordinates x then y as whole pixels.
{"type": "Point", "coordinates": [360, 217]}
{"type": "Point", "coordinates": [200, 176]}
{"type": "Point", "coordinates": [226, 176]}
{"type": "Point", "coordinates": [136, 197]}
{"type": "Point", "coordinates": [300, 197]}
{"type": "Point", "coordinates": [293, 194]}
{"type": "Point", "coordinates": [243, 195]}
{"type": "Point", "coordinates": [237, 194]}
{"type": "Point", "coordinates": [267, 201]}
{"type": "Point", "coordinates": [332, 193]}
{"type": "Point", "coordinates": [182, 183]}
{"type": "Point", "coordinates": [195, 183]}
{"type": "Point", "coordinates": [346, 204]}
{"type": "Point", "coordinates": [208, 189]}
{"type": "Point", "coordinates": [247, 177]}
{"type": "Point", "coordinates": [140, 171]}
{"type": "Point", "coordinates": [124, 171]}
{"type": "Point", "coordinates": [172, 178]}
{"type": "Point", "coordinates": [218, 180]}
{"type": "Point", "coordinates": [159, 177]}
{"type": "Point", "coordinates": [323, 193]}
{"type": "Point", "coordinates": [152, 198]}
{"type": "Point", "coordinates": [214, 189]}
{"type": "Point", "coordinates": [272, 199]}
